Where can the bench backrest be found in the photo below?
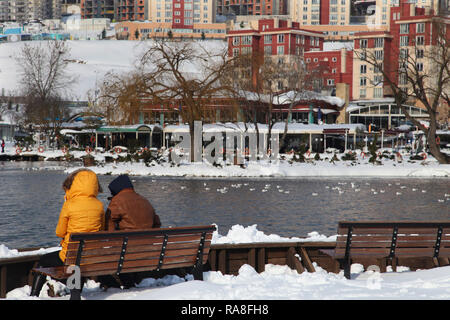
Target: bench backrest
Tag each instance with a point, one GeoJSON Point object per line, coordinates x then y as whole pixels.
{"type": "Point", "coordinates": [389, 239]}
{"type": "Point", "coordinates": [139, 250]}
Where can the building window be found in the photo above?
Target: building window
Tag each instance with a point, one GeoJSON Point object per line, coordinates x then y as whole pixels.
{"type": "Point", "coordinates": [236, 41]}
{"type": "Point", "coordinates": [363, 43]}
{"type": "Point", "coordinates": [379, 54]}
{"type": "Point", "coordinates": [379, 43]}
{"type": "Point", "coordinates": [363, 81]}
{"type": "Point", "coordinates": [403, 79]}
{"type": "Point", "coordinates": [419, 66]}
{"type": "Point", "coordinates": [420, 27]}
{"type": "Point", "coordinates": [281, 38]}
{"type": "Point", "coordinates": [420, 40]}
{"type": "Point", "coordinates": [404, 28]}
{"type": "Point", "coordinates": [267, 50]}
{"type": "Point", "coordinates": [268, 39]}
{"type": "Point", "coordinates": [246, 40]}
{"type": "Point", "coordinates": [280, 50]}
{"type": "Point", "coordinates": [378, 92]}
{"type": "Point", "coordinates": [377, 80]}
{"type": "Point", "coordinates": [363, 68]}
{"type": "Point", "coordinates": [419, 53]}
{"type": "Point", "coordinates": [362, 92]}
{"type": "Point", "coordinates": [330, 82]}
{"type": "Point", "coordinates": [404, 41]}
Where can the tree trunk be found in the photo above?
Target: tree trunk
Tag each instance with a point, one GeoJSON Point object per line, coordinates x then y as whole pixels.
{"type": "Point", "coordinates": [286, 123]}
{"type": "Point", "coordinates": [433, 146]}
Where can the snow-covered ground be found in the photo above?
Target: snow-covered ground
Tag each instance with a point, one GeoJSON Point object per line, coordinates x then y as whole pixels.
{"type": "Point", "coordinates": [275, 283]}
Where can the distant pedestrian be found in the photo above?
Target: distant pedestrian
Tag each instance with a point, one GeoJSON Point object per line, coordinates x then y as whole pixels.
{"type": "Point", "coordinates": [3, 146]}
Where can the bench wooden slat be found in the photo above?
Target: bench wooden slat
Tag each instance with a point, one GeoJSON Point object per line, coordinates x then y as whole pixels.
{"type": "Point", "coordinates": [132, 241]}
{"type": "Point", "coordinates": [85, 260]}
{"type": "Point", "coordinates": [136, 249]}
{"type": "Point", "coordinates": [373, 231]}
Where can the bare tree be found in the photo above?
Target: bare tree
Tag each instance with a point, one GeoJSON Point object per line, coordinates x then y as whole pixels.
{"type": "Point", "coordinates": [44, 82]}
{"type": "Point", "coordinates": [119, 99]}
{"type": "Point", "coordinates": [187, 73]}
{"type": "Point", "coordinates": [421, 77]}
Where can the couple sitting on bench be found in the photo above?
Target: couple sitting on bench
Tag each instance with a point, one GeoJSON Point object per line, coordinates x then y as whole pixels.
{"type": "Point", "coordinates": [83, 212]}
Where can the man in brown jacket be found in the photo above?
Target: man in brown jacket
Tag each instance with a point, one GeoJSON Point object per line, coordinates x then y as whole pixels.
{"type": "Point", "coordinates": [128, 210]}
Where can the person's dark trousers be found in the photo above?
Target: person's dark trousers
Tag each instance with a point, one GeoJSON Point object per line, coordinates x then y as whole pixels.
{"type": "Point", "coordinates": [47, 260]}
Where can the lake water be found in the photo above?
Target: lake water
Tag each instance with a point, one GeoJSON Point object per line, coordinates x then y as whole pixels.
{"type": "Point", "coordinates": [31, 199]}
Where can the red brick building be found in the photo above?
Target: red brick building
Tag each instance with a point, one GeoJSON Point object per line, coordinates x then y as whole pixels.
{"type": "Point", "coordinates": [272, 37]}
{"type": "Point", "coordinates": [336, 66]}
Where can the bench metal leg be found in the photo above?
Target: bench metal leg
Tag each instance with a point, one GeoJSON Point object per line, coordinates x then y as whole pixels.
{"type": "Point", "coordinates": [347, 266]}
{"type": "Point", "coordinates": [197, 271]}
{"type": "Point", "coordinates": [75, 294]}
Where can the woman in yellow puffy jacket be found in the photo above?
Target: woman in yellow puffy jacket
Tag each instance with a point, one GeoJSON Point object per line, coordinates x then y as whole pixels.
{"type": "Point", "coordinates": [81, 212]}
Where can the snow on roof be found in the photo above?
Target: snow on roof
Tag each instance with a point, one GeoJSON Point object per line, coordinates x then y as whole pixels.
{"type": "Point", "coordinates": [290, 96]}
{"type": "Point", "coordinates": [263, 128]}
{"type": "Point", "coordinates": [337, 45]}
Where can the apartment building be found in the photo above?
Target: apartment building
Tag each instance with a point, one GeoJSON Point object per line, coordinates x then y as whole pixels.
{"type": "Point", "coordinates": [382, 16]}
{"type": "Point", "coordinates": [335, 66]}
{"type": "Point", "coordinates": [272, 37]}
{"type": "Point", "coordinates": [410, 35]}
{"type": "Point", "coordinates": [252, 7]}
{"type": "Point", "coordinates": [182, 14]}
{"type": "Point", "coordinates": [22, 11]}
{"type": "Point", "coordinates": [99, 9]}
{"type": "Point", "coordinates": [283, 41]}
{"type": "Point", "coordinates": [320, 12]}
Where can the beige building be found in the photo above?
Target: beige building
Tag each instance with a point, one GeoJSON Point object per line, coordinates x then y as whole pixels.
{"type": "Point", "coordinates": [383, 10]}
{"type": "Point", "coordinates": [184, 12]}
{"type": "Point", "coordinates": [320, 12]}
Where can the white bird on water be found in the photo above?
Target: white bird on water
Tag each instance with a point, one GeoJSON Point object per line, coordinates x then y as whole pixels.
{"type": "Point", "coordinates": [314, 194]}
{"type": "Point", "coordinates": [398, 193]}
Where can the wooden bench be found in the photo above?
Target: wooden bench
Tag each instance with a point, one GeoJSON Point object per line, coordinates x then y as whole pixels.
{"type": "Point", "coordinates": [119, 252]}
{"type": "Point", "coordinates": [388, 241]}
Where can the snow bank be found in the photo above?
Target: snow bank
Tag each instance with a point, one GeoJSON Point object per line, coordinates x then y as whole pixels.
{"type": "Point", "coordinates": [5, 252]}
{"type": "Point", "coordinates": [250, 234]}
{"type": "Point", "coordinates": [389, 168]}
{"type": "Point", "coordinates": [276, 282]}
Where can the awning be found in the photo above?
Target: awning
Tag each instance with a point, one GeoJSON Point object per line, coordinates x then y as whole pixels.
{"type": "Point", "coordinates": [141, 128]}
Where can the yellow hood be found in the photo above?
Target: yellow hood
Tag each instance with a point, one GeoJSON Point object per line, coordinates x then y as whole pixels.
{"type": "Point", "coordinates": [85, 184]}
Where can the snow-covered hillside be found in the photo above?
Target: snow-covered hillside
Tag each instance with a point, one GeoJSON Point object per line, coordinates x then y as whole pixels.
{"type": "Point", "coordinates": [91, 61]}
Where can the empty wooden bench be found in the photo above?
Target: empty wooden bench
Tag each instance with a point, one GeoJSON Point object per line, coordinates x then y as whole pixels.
{"type": "Point", "coordinates": [388, 241]}
{"type": "Point", "coordinates": [119, 252]}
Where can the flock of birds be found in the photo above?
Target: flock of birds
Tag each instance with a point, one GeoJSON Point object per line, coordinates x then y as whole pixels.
{"type": "Point", "coordinates": [340, 188]}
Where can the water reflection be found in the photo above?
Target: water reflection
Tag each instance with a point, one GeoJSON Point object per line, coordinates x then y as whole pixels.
{"type": "Point", "coordinates": [31, 200]}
